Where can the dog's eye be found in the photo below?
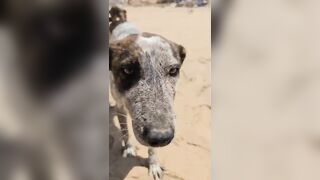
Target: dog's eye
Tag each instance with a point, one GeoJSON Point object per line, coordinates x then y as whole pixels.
{"type": "Point", "coordinates": [128, 70]}
{"type": "Point", "coordinates": [174, 71]}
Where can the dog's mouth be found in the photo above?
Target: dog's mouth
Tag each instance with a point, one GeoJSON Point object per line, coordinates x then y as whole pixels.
{"type": "Point", "coordinates": [154, 137]}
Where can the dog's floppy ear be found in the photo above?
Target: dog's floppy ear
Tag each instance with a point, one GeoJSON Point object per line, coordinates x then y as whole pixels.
{"type": "Point", "coordinates": [110, 56]}
{"type": "Point", "coordinates": [182, 53]}
{"type": "Point", "coordinates": [113, 50]}
{"type": "Point", "coordinates": [179, 51]}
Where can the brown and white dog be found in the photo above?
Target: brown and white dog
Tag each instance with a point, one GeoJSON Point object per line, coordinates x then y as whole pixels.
{"type": "Point", "coordinates": [144, 72]}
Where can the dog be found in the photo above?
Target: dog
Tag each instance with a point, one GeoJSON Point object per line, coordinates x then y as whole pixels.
{"type": "Point", "coordinates": [144, 71]}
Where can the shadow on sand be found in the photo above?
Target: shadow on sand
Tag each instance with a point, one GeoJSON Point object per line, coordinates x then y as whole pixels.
{"type": "Point", "coordinates": [119, 167]}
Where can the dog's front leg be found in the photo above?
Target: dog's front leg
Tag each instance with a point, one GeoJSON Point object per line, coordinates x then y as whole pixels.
{"type": "Point", "coordinates": [128, 150]}
{"type": "Point", "coordinates": [155, 170]}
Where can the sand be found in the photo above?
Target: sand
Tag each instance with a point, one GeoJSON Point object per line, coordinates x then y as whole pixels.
{"type": "Point", "coordinates": [189, 155]}
{"type": "Point", "coordinates": [266, 92]}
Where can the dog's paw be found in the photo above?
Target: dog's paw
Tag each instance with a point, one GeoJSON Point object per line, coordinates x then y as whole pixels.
{"type": "Point", "coordinates": [156, 171]}
{"type": "Point", "coordinates": [129, 151]}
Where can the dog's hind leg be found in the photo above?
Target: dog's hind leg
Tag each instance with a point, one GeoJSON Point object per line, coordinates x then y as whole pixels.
{"type": "Point", "coordinates": [155, 170]}
{"type": "Point", "coordinates": [128, 150]}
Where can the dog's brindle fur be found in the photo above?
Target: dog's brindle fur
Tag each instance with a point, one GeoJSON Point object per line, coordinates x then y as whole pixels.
{"type": "Point", "coordinates": [145, 69]}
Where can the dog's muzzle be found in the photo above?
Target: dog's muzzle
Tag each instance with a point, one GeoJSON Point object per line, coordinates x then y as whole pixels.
{"type": "Point", "coordinates": [158, 137]}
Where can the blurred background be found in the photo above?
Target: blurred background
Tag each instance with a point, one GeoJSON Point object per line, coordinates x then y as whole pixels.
{"type": "Point", "coordinates": [53, 90]}
{"type": "Point", "coordinates": [163, 3]}
{"type": "Point", "coordinates": [266, 90]}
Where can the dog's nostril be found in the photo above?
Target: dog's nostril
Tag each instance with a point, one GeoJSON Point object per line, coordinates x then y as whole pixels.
{"type": "Point", "coordinates": [158, 137]}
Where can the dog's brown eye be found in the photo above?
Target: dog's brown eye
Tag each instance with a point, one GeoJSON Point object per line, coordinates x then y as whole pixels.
{"type": "Point", "coordinates": [174, 71]}
{"type": "Point", "coordinates": [128, 70]}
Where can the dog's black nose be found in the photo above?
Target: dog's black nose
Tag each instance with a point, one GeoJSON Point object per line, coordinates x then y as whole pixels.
{"type": "Point", "coordinates": [158, 137]}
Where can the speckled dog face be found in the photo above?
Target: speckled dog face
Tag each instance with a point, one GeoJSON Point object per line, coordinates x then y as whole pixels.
{"type": "Point", "coordinates": [145, 71]}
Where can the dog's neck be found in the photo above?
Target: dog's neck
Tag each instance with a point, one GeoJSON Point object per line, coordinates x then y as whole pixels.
{"type": "Point", "coordinates": [122, 30]}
